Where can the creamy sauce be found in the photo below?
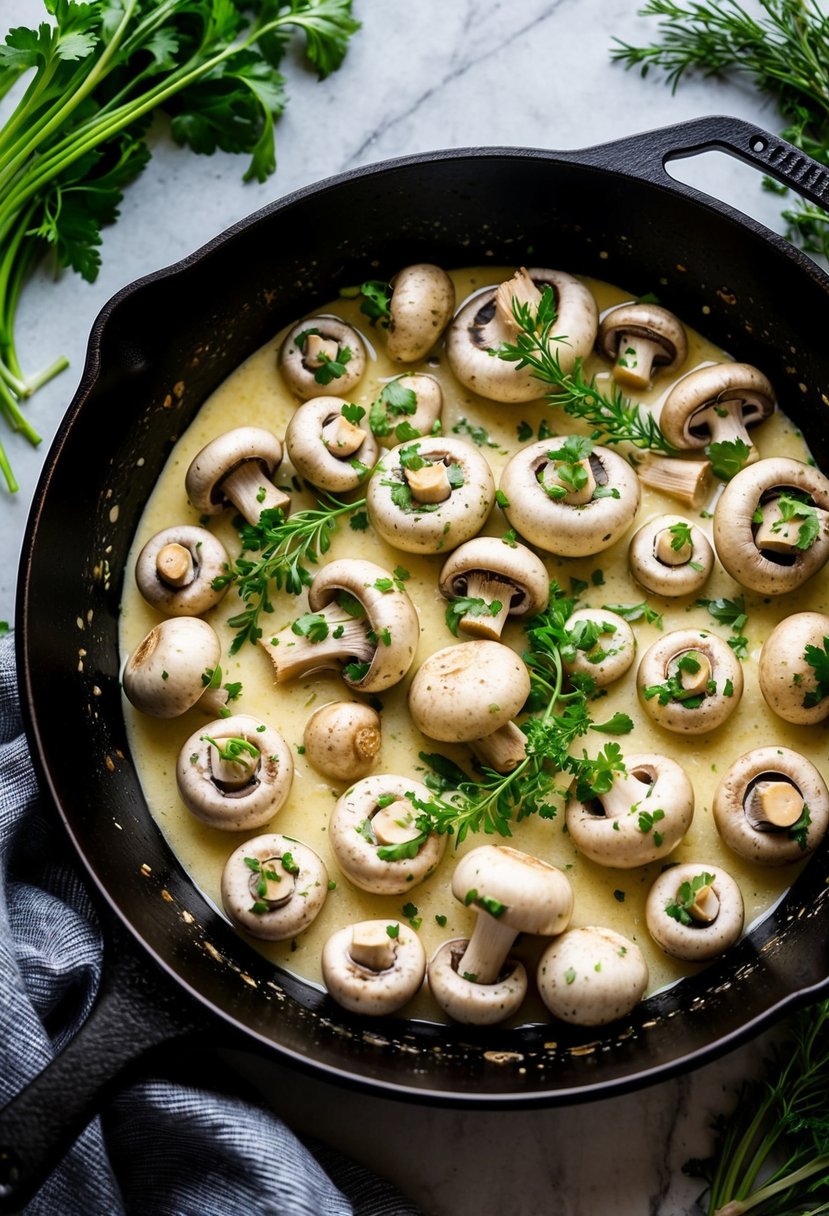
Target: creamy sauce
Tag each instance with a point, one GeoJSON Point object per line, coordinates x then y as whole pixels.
{"type": "Point", "coordinates": [254, 394]}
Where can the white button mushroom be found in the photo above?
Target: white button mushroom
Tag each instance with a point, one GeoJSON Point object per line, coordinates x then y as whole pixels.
{"type": "Point", "coordinates": [360, 624]}
{"type": "Point", "coordinates": [379, 838]}
{"type": "Point", "coordinates": [716, 404]}
{"type": "Point", "coordinates": [639, 336]}
{"type": "Point", "coordinates": [406, 408]}
{"type": "Point", "coordinates": [771, 525]}
{"type": "Point", "coordinates": [670, 556]}
{"type": "Point", "coordinates": [468, 694]}
{"type": "Point", "coordinates": [176, 666]}
{"type": "Point", "coordinates": [328, 446]}
{"type": "Point", "coordinates": [690, 681]}
{"type": "Point", "coordinates": [694, 912]}
{"type": "Point", "coordinates": [641, 818]}
{"type": "Point", "coordinates": [176, 568]}
{"type": "Point", "coordinates": [487, 321]}
{"type": "Point", "coordinates": [342, 740]}
{"type": "Point", "coordinates": [421, 306]}
{"type": "Point", "coordinates": [569, 497]}
{"type": "Point", "coordinates": [274, 887]}
{"type": "Point", "coordinates": [772, 806]}
{"type": "Point", "coordinates": [237, 467]}
{"type": "Point", "coordinates": [490, 581]}
{"type": "Point", "coordinates": [235, 773]}
{"type": "Point", "coordinates": [599, 644]}
{"type": "Point", "coordinates": [430, 495]}
{"type": "Point", "coordinates": [374, 967]}
{"type": "Point", "coordinates": [690, 482]}
{"type": "Point", "coordinates": [512, 893]}
{"type": "Point", "coordinates": [321, 355]}
{"type": "Point", "coordinates": [794, 668]}
{"type": "Point", "coordinates": [591, 976]}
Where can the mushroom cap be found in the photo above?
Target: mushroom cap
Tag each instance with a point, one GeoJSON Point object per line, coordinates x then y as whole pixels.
{"type": "Point", "coordinates": [421, 306]}
{"type": "Point", "coordinates": [467, 1001]}
{"type": "Point", "coordinates": [164, 675]}
{"type": "Point", "coordinates": [428, 408]}
{"type": "Point", "coordinates": [358, 856]}
{"type": "Point", "coordinates": [301, 378]}
{"type": "Point", "coordinates": [734, 525]}
{"type": "Point", "coordinates": [641, 319]}
{"type": "Point", "coordinates": [787, 680]}
{"type": "Point", "coordinates": [373, 993]}
{"type": "Point", "coordinates": [197, 595]}
{"type": "Point", "coordinates": [770, 847]}
{"type": "Point", "coordinates": [468, 340]}
{"type": "Point", "coordinates": [591, 976]}
{"type": "Point", "coordinates": [488, 555]}
{"type": "Point", "coordinates": [559, 527]}
{"type": "Point", "coordinates": [716, 707]}
{"type": "Point", "coordinates": [248, 806]}
{"type": "Point", "coordinates": [219, 457]}
{"type": "Point", "coordinates": [314, 460]}
{"type": "Point", "coordinates": [342, 740]}
{"type": "Point", "coordinates": [707, 386]}
{"type": "Point", "coordinates": [697, 942]}
{"type": "Point", "coordinates": [536, 897]}
{"type": "Point", "coordinates": [433, 527]}
{"type": "Point", "coordinates": [467, 692]}
{"type": "Point", "coordinates": [613, 653]}
{"type": "Point", "coordinates": [662, 578]}
{"type": "Point", "coordinates": [308, 890]}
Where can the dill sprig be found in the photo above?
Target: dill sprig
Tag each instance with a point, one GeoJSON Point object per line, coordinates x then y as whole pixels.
{"type": "Point", "coordinates": [615, 418]}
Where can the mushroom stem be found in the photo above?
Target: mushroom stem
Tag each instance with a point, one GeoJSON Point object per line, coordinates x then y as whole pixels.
{"type": "Point", "coordinates": [316, 349]}
{"type": "Point", "coordinates": [624, 795]}
{"type": "Point", "coordinates": [503, 750]}
{"type": "Point", "coordinates": [554, 483]}
{"type": "Point", "coordinates": [487, 949]}
{"type": "Point", "coordinates": [724, 421]}
{"type": "Point", "coordinates": [430, 483]}
{"type": "Point", "coordinates": [483, 586]}
{"type": "Point", "coordinates": [371, 946]}
{"type": "Point", "coordinates": [174, 565]}
{"type": "Point", "coordinates": [689, 481]}
{"type": "Point", "coordinates": [341, 437]}
{"type": "Point", "coordinates": [521, 290]}
{"type": "Point", "coordinates": [271, 883]}
{"type": "Point", "coordinates": [251, 492]}
{"type": "Point", "coordinates": [666, 552]}
{"type": "Point", "coordinates": [773, 804]}
{"type": "Point", "coordinates": [395, 823]}
{"type": "Point", "coordinates": [777, 534]}
{"type": "Point", "coordinates": [295, 655]}
{"type": "Point", "coordinates": [635, 358]}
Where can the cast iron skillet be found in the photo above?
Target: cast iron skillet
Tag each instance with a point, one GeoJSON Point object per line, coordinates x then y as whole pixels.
{"type": "Point", "coordinates": [156, 351]}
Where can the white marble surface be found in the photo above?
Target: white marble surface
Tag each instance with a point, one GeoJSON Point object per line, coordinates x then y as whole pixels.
{"type": "Point", "coordinates": [423, 75]}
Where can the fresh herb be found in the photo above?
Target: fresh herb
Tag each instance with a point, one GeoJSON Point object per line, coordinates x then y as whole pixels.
{"type": "Point", "coordinates": [233, 750]}
{"type": "Point", "coordinates": [799, 831]}
{"type": "Point", "coordinates": [681, 908]}
{"type": "Point", "coordinates": [733, 613]}
{"type": "Point", "coordinates": [311, 625]}
{"type": "Point", "coordinates": [793, 509]}
{"type": "Point", "coordinates": [355, 672]}
{"type": "Point", "coordinates": [728, 457]}
{"type": "Point", "coordinates": [478, 434]}
{"type": "Point", "coordinates": [376, 299]}
{"type": "Point", "coordinates": [493, 906]}
{"type": "Point", "coordinates": [395, 401]}
{"type": "Point", "coordinates": [469, 606]}
{"type": "Point", "coordinates": [681, 536]}
{"type": "Point", "coordinates": [331, 368]}
{"type": "Point", "coordinates": [636, 612]}
{"type": "Point", "coordinates": [818, 660]}
{"type": "Point", "coordinates": [265, 874]}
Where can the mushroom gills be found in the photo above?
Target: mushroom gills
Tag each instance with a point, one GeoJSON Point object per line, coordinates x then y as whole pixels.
{"type": "Point", "coordinates": [322, 640]}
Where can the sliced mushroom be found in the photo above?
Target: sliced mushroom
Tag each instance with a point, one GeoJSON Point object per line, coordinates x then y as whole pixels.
{"type": "Point", "coordinates": [600, 644]}
{"type": "Point", "coordinates": [176, 568]}
{"type": "Point", "coordinates": [512, 893]}
{"type": "Point", "coordinates": [235, 773]}
{"type": "Point", "coordinates": [327, 445]}
{"type": "Point", "coordinates": [406, 408]}
{"type": "Point", "coordinates": [430, 495]}
{"type": "Point", "coordinates": [772, 806]}
{"type": "Point", "coordinates": [695, 912]}
{"type": "Point", "coordinates": [274, 887]}
{"type": "Point", "coordinates": [492, 581]}
{"type": "Point", "coordinates": [690, 482]}
{"type": "Point", "coordinates": [320, 356]}
{"type": "Point", "coordinates": [237, 468]}
{"type": "Point", "coordinates": [715, 404]}
{"type": "Point", "coordinates": [360, 624]}
{"type": "Point", "coordinates": [760, 548]}
{"type": "Point", "coordinates": [176, 666]}
{"type": "Point", "coordinates": [690, 681]}
{"type": "Point", "coordinates": [374, 967]}
{"type": "Point", "coordinates": [572, 523]}
{"type": "Point", "coordinates": [671, 556]}
{"type": "Point", "coordinates": [487, 321]}
{"type": "Point", "coordinates": [642, 817]}
{"type": "Point", "coordinates": [639, 336]}
{"type": "Point", "coordinates": [421, 306]}
{"type": "Point", "coordinates": [468, 694]}
{"type": "Point", "coordinates": [378, 838]}
{"type": "Point", "coordinates": [591, 976]}
{"type": "Point", "coordinates": [342, 740]}
{"type": "Point", "coordinates": [789, 681]}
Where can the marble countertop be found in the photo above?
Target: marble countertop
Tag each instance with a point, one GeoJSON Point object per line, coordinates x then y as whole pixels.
{"type": "Point", "coordinates": [421, 76]}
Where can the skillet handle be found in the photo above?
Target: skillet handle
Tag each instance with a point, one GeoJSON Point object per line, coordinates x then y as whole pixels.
{"type": "Point", "coordinates": [138, 1010]}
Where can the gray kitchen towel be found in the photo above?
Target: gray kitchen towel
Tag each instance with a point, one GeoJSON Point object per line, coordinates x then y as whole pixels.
{"type": "Point", "coordinates": [162, 1148]}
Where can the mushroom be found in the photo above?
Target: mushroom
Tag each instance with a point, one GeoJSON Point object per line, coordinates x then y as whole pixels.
{"type": "Point", "coordinates": [592, 975]}
{"type": "Point", "coordinates": [600, 644]}
{"type": "Point", "coordinates": [639, 336]}
{"type": "Point", "coordinates": [373, 967]}
{"type": "Point", "coordinates": [406, 408]}
{"type": "Point", "coordinates": [360, 624]}
{"type": "Point", "coordinates": [175, 667]}
{"type": "Point", "coordinates": [794, 658]}
{"type": "Point", "coordinates": [274, 887]}
{"type": "Point", "coordinates": [772, 806]}
{"type": "Point", "coordinates": [716, 404]}
{"type": "Point", "coordinates": [342, 740]}
{"type": "Point", "coordinates": [421, 306]}
{"type": "Point", "coordinates": [237, 467]}
{"type": "Point", "coordinates": [487, 321]}
{"type": "Point", "coordinates": [512, 892]}
{"type": "Point", "coordinates": [469, 694]}
{"type": "Point", "coordinates": [433, 494]}
{"type": "Point", "coordinates": [690, 482]}
{"type": "Point", "coordinates": [694, 912]}
{"type": "Point", "coordinates": [489, 581]}
{"type": "Point", "coordinates": [670, 556]}
{"type": "Point", "coordinates": [575, 500]}
{"type": "Point", "coordinates": [641, 818]}
{"type": "Point", "coordinates": [176, 568]}
{"type": "Point", "coordinates": [321, 354]}
{"type": "Point", "coordinates": [771, 525]}
{"type": "Point", "coordinates": [380, 841]}
{"type": "Point", "coordinates": [235, 773]}
{"type": "Point", "coordinates": [328, 447]}
{"type": "Point", "coordinates": [690, 681]}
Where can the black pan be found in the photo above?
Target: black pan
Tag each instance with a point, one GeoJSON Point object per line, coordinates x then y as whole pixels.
{"type": "Point", "coordinates": [156, 351]}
